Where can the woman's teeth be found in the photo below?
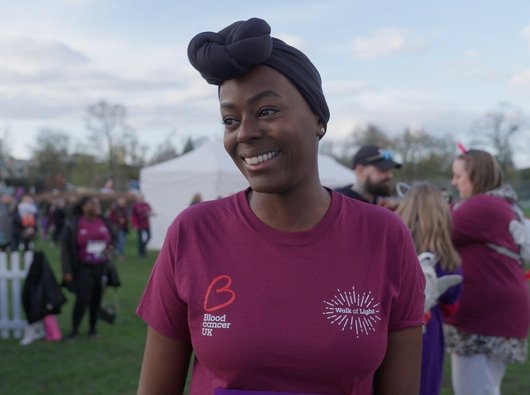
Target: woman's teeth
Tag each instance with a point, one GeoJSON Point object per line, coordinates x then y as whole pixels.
{"type": "Point", "coordinates": [261, 158]}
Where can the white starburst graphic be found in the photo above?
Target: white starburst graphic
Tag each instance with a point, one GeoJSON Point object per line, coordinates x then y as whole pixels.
{"type": "Point", "coordinates": [354, 311]}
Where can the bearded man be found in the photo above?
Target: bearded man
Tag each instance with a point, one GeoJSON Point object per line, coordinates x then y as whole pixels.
{"type": "Point", "coordinates": [373, 169]}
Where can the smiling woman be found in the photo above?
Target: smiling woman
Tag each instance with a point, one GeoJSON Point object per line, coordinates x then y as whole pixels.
{"type": "Point", "coordinates": [270, 132]}
{"type": "Point", "coordinates": [287, 286]}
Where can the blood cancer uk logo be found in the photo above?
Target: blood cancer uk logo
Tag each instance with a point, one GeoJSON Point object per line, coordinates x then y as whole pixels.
{"type": "Point", "coordinates": [354, 311]}
{"type": "Point", "coordinates": [219, 295]}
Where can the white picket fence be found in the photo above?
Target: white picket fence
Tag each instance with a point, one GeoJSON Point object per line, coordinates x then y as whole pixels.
{"type": "Point", "coordinates": [14, 268]}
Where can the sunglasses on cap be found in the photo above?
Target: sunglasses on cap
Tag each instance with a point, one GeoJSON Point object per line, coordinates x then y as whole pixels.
{"type": "Point", "coordinates": [382, 154]}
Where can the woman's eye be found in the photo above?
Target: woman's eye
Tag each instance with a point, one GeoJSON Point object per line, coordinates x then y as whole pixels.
{"type": "Point", "coordinates": [228, 121]}
{"type": "Point", "coordinates": [267, 112]}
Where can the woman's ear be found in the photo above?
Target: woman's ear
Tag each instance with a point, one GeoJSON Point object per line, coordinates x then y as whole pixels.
{"type": "Point", "coordinates": [321, 131]}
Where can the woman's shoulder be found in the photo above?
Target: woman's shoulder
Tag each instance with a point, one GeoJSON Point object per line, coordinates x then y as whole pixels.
{"type": "Point", "coordinates": [484, 203]}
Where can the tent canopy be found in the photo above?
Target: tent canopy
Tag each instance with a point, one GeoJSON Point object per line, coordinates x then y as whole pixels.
{"type": "Point", "coordinates": [169, 186]}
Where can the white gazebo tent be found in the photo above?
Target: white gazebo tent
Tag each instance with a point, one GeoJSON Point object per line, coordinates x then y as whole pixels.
{"type": "Point", "coordinates": [169, 186]}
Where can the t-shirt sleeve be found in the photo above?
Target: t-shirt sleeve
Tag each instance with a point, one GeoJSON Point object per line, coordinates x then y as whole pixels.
{"type": "Point", "coordinates": [407, 310]}
{"type": "Point", "coordinates": [161, 306]}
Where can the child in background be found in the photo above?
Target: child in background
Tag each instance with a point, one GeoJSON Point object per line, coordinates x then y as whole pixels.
{"type": "Point", "coordinates": [427, 214]}
{"type": "Point", "coordinates": [26, 221]}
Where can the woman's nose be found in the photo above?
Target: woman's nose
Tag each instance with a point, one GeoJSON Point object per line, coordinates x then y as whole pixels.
{"type": "Point", "coordinates": [248, 130]}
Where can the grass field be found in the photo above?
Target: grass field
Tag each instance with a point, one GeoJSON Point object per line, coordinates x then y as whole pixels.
{"type": "Point", "coordinates": [111, 364]}
{"type": "Point", "coordinates": [108, 365]}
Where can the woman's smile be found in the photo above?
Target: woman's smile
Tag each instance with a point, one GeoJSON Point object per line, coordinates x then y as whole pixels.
{"type": "Point", "coordinates": [261, 158]}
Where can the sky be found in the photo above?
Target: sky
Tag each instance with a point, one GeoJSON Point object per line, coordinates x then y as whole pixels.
{"type": "Point", "coordinates": [438, 66]}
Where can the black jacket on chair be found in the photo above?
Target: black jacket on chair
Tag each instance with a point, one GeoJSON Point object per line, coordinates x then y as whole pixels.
{"type": "Point", "coordinates": [41, 294]}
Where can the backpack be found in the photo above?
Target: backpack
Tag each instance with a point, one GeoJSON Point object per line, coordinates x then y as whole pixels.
{"type": "Point", "coordinates": [435, 286]}
{"type": "Point", "coordinates": [520, 231]}
{"type": "Point", "coordinates": [28, 225]}
{"type": "Point", "coordinates": [28, 221]}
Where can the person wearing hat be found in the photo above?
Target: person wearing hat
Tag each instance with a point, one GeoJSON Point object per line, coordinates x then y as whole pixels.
{"type": "Point", "coordinates": [373, 169]}
{"type": "Point", "coordinates": [268, 288]}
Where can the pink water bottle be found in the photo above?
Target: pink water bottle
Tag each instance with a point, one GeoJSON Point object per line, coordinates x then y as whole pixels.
{"type": "Point", "coordinates": [52, 331]}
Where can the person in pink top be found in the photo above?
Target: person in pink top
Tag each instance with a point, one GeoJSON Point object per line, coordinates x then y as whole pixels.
{"type": "Point", "coordinates": [86, 243]}
{"type": "Point", "coordinates": [287, 286]}
{"type": "Point", "coordinates": [490, 327]}
{"type": "Point", "coordinates": [140, 213]}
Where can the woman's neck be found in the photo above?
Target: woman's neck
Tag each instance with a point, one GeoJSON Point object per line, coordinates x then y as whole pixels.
{"type": "Point", "coordinates": [291, 212]}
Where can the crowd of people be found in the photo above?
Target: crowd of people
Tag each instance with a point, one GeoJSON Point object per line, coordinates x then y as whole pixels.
{"type": "Point", "coordinates": [482, 322]}
{"type": "Point", "coordinates": [18, 222]}
{"type": "Point", "coordinates": [91, 240]}
{"type": "Point", "coordinates": [291, 287]}
{"type": "Point", "coordinates": [25, 218]}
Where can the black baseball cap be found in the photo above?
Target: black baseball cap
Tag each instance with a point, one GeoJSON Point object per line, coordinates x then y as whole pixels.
{"type": "Point", "coordinates": [375, 156]}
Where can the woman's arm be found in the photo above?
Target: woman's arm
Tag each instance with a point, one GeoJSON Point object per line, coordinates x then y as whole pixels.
{"type": "Point", "coordinates": [165, 365]}
{"type": "Point", "coordinates": [400, 371]}
{"type": "Point", "coordinates": [66, 239]}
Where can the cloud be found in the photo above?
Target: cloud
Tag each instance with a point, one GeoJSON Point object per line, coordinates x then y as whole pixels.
{"type": "Point", "coordinates": [28, 56]}
{"type": "Point", "coordinates": [386, 42]}
{"type": "Point", "coordinates": [393, 110]}
{"type": "Point", "coordinates": [338, 88]}
{"type": "Point", "coordinates": [294, 41]}
{"type": "Point", "coordinates": [520, 82]}
{"type": "Point", "coordinates": [526, 35]}
{"type": "Point", "coordinates": [479, 72]}
{"type": "Point", "coordinates": [45, 79]}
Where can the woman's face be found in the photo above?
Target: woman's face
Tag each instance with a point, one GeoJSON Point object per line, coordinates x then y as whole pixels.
{"type": "Point", "coordinates": [91, 208]}
{"type": "Point", "coordinates": [270, 131]}
{"type": "Point", "coordinates": [461, 179]}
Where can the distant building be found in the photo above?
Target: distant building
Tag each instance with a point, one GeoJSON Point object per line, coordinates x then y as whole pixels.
{"type": "Point", "coordinates": [14, 172]}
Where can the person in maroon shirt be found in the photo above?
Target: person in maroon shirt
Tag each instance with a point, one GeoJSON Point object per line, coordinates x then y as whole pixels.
{"type": "Point", "coordinates": [140, 213]}
{"type": "Point", "coordinates": [490, 326]}
{"type": "Point", "coordinates": [119, 217]}
{"type": "Point", "coordinates": [274, 114]}
{"type": "Point", "coordinates": [86, 243]}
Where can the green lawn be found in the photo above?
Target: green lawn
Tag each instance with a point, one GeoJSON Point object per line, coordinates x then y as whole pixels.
{"type": "Point", "coordinates": [108, 365]}
{"type": "Point", "coordinates": [111, 364]}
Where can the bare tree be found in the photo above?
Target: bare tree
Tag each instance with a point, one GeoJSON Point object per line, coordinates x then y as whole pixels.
{"type": "Point", "coordinates": [413, 145]}
{"type": "Point", "coordinates": [4, 152]}
{"type": "Point", "coordinates": [5, 149]}
{"type": "Point", "coordinates": [424, 156]}
{"type": "Point", "coordinates": [166, 150]}
{"type": "Point", "coordinates": [344, 149]}
{"type": "Point", "coordinates": [371, 134]}
{"type": "Point", "coordinates": [132, 152]}
{"type": "Point", "coordinates": [496, 130]}
{"type": "Point", "coordinates": [106, 122]}
{"type": "Point", "coordinates": [190, 143]}
{"type": "Point", "coordinates": [51, 155]}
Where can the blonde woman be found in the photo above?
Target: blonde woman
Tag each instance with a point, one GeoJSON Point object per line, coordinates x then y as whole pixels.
{"type": "Point", "coordinates": [427, 214]}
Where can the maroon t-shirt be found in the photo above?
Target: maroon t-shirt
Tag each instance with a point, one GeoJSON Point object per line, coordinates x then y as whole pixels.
{"type": "Point", "coordinates": [140, 215]}
{"type": "Point", "coordinates": [299, 312]}
{"type": "Point", "coordinates": [93, 238]}
{"type": "Point", "coordinates": [494, 300]}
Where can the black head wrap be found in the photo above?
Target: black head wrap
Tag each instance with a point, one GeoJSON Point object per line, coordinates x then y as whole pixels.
{"type": "Point", "coordinates": [234, 50]}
